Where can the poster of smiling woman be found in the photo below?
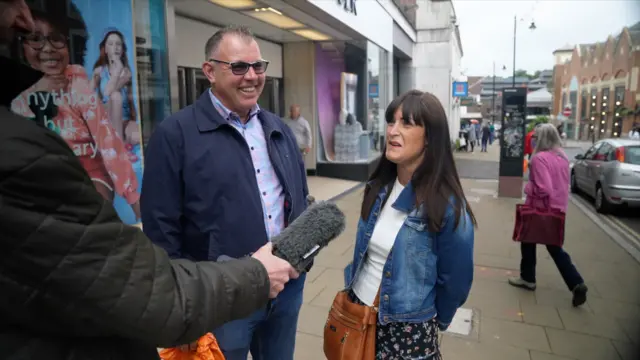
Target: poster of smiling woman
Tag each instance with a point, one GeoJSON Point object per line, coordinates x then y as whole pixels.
{"type": "Point", "coordinates": [88, 94]}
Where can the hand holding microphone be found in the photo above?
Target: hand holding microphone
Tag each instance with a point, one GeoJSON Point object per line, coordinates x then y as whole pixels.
{"type": "Point", "coordinates": [280, 271]}
{"type": "Point", "coordinates": [299, 243]}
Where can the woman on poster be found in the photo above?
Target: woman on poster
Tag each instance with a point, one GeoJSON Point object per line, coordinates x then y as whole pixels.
{"type": "Point", "coordinates": [112, 81]}
{"type": "Point", "coordinates": [64, 101]}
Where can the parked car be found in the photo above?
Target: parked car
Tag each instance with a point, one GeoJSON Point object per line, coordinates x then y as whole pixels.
{"type": "Point", "coordinates": [610, 173]}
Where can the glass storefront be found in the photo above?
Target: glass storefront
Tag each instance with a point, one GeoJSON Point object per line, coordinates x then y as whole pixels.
{"type": "Point", "coordinates": [104, 87]}
{"type": "Point", "coordinates": [351, 89]}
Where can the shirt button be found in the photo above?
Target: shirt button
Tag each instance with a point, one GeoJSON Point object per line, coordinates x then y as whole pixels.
{"type": "Point", "coordinates": [258, 171]}
{"type": "Point", "coordinates": [269, 216]}
{"type": "Point", "coordinates": [264, 193]}
{"type": "Point", "coordinates": [388, 274]}
{"type": "Point", "coordinates": [252, 148]}
{"type": "Point", "coordinates": [386, 298]}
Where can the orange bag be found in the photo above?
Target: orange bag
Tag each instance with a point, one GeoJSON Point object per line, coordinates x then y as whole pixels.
{"type": "Point", "coordinates": [208, 349]}
{"type": "Point", "coordinates": [525, 165]}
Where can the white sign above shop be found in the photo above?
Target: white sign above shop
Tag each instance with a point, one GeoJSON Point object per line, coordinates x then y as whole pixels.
{"type": "Point", "coordinates": [369, 18]}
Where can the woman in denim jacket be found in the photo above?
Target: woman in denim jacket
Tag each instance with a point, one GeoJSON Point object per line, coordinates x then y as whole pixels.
{"type": "Point", "coordinates": [415, 236]}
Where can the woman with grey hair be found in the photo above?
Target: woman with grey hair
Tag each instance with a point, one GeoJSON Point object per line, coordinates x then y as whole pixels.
{"type": "Point", "coordinates": [548, 188]}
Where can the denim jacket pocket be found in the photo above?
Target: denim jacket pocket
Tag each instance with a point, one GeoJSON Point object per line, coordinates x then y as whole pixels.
{"type": "Point", "coordinates": [419, 259]}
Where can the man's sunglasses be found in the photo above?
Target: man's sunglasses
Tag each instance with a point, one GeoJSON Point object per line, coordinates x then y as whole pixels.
{"type": "Point", "coordinates": [241, 67]}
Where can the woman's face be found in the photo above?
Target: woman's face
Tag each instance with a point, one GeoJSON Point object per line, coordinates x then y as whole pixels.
{"type": "Point", "coordinates": [405, 141]}
{"type": "Point", "coordinates": [113, 46]}
{"type": "Point", "coordinates": [46, 49]}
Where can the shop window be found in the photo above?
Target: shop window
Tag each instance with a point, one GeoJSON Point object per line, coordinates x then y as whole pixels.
{"type": "Point", "coordinates": [152, 62]}
{"type": "Point", "coordinates": [105, 80]}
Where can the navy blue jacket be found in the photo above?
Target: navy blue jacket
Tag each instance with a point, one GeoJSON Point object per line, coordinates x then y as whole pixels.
{"type": "Point", "coordinates": [200, 197]}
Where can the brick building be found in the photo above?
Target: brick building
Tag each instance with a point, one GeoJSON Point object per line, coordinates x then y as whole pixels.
{"type": "Point", "coordinates": [599, 82]}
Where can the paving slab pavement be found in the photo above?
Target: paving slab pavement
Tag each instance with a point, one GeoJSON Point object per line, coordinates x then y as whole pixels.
{"type": "Point", "coordinates": [510, 323]}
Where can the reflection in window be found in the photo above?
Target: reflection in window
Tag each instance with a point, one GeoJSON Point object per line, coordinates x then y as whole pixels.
{"type": "Point", "coordinates": [152, 65]}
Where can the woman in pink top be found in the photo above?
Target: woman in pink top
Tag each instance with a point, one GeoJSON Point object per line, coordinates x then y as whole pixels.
{"type": "Point", "coordinates": [548, 187]}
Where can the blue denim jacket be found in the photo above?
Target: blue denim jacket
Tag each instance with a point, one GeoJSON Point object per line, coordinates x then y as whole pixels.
{"type": "Point", "coordinates": [427, 274]}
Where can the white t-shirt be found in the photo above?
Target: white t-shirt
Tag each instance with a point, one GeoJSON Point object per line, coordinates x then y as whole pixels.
{"type": "Point", "coordinates": [384, 236]}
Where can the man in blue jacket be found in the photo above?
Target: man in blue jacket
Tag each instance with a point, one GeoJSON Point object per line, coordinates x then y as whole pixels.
{"type": "Point", "coordinates": [222, 177]}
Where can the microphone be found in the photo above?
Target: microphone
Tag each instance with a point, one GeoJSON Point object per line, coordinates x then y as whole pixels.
{"type": "Point", "coordinates": [299, 243]}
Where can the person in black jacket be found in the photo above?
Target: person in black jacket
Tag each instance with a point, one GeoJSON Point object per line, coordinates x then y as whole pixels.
{"type": "Point", "coordinates": [75, 282]}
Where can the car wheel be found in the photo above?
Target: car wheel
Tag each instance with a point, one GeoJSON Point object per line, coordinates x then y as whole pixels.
{"type": "Point", "coordinates": [574, 184]}
{"type": "Point", "coordinates": [602, 205]}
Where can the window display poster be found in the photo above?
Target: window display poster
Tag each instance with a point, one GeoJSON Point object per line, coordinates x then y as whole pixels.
{"type": "Point", "coordinates": [88, 94]}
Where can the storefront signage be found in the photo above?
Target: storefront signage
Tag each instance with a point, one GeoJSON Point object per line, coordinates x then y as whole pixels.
{"type": "Point", "coordinates": [373, 90]}
{"type": "Point", "coordinates": [460, 88]}
{"type": "Point", "coordinates": [467, 101]}
{"type": "Point", "coordinates": [349, 6]}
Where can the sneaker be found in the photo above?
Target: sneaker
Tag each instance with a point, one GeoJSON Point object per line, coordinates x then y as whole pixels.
{"type": "Point", "coordinates": [518, 282]}
{"type": "Point", "coordinates": [579, 295]}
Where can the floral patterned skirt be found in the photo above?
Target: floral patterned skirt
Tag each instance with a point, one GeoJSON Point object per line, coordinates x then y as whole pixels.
{"type": "Point", "coordinates": [401, 340]}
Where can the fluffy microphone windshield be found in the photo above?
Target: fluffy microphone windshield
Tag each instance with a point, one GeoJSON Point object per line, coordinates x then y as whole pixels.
{"type": "Point", "coordinates": [308, 234]}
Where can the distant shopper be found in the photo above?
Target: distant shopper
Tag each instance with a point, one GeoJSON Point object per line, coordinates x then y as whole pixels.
{"type": "Point", "coordinates": [548, 187]}
{"type": "Point", "coordinates": [529, 143]}
{"type": "Point", "coordinates": [492, 128]}
{"type": "Point", "coordinates": [486, 135]}
{"type": "Point", "coordinates": [301, 129]}
{"type": "Point", "coordinates": [472, 136]}
{"type": "Point", "coordinates": [413, 206]}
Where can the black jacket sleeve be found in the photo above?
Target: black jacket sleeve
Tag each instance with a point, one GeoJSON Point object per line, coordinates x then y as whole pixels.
{"type": "Point", "coordinates": [66, 252]}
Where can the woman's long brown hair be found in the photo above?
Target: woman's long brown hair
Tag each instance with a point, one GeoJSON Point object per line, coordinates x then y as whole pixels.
{"type": "Point", "coordinates": [436, 180]}
{"type": "Point", "coordinates": [103, 61]}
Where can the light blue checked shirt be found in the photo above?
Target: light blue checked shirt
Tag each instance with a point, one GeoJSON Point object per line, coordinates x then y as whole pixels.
{"type": "Point", "coordinates": [271, 191]}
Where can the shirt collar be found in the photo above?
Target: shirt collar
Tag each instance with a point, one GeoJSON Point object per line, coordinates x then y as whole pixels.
{"type": "Point", "coordinates": [228, 114]}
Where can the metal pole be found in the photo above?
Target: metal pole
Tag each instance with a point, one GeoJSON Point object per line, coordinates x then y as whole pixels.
{"type": "Point", "coordinates": [515, 22]}
{"type": "Point", "coordinates": [493, 95]}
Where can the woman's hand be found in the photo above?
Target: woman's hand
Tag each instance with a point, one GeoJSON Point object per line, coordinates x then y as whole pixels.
{"type": "Point", "coordinates": [125, 76]}
{"type": "Point", "coordinates": [132, 133]}
{"type": "Point", "coordinates": [115, 66]}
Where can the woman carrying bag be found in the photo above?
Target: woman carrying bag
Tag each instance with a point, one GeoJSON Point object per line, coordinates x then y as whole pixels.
{"type": "Point", "coordinates": [547, 194]}
{"type": "Point", "coordinates": [413, 260]}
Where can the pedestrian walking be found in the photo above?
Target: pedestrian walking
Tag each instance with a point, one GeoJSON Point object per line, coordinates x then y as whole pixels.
{"type": "Point", "coordinates": [486, 135]}
{"type": "Point", "coordinates": [548, 187]}
{"type": "Point", "coordinates": [472, 137]}
{"type": "Point", "coordinates": [416, 176]}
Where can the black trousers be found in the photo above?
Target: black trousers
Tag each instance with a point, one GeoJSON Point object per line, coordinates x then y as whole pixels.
{"type": "Point", "coordinates": [569, 273]}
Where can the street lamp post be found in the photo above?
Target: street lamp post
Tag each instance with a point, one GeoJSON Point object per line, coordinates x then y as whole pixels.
{"type": "Point", "coordinates": [493, 92]}
{"type": "Point", "coordinates": [515, 27]}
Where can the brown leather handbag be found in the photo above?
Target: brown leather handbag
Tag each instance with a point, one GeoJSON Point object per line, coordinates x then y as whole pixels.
{"type": "Point", "coordinates": [350, 330]}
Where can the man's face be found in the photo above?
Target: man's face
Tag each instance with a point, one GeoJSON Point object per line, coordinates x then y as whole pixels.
{"type": "Point", "coordinates": [294, 112]}
{"type": "Point", "coordinates": [238, 92]}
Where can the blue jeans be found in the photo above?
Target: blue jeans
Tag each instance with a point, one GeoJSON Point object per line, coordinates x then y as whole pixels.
{"type": "Point", "coordinates": [569, 273]}
{"type": "Point", "coordinates": [269, 333]}
{"type": "Point", "coordinates": [485, 140]}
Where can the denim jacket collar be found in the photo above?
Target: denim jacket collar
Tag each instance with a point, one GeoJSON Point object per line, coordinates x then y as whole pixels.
{"type": "Point", "coordinates": [405, 201]}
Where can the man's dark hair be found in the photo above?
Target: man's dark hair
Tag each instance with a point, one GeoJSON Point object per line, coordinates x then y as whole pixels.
{"type": "Point", "coordinates": [214, 41]}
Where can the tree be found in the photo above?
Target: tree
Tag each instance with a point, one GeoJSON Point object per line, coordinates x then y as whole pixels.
{"type": "Point", "coordinates": [536, 74]}
{"type": "Point", "coordinates": [522, 73]}
{"type": "Point", "coordinates": [536, 121]}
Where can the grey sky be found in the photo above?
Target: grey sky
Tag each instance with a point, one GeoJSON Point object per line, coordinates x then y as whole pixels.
{"type": "Point", "coordinates": [486, 28]}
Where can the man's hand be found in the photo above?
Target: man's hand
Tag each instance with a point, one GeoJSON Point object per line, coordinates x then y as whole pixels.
{"type": "Point", "coordinates": [279, 270]}
{"type": "Point", "coordinates": [15, 14]}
